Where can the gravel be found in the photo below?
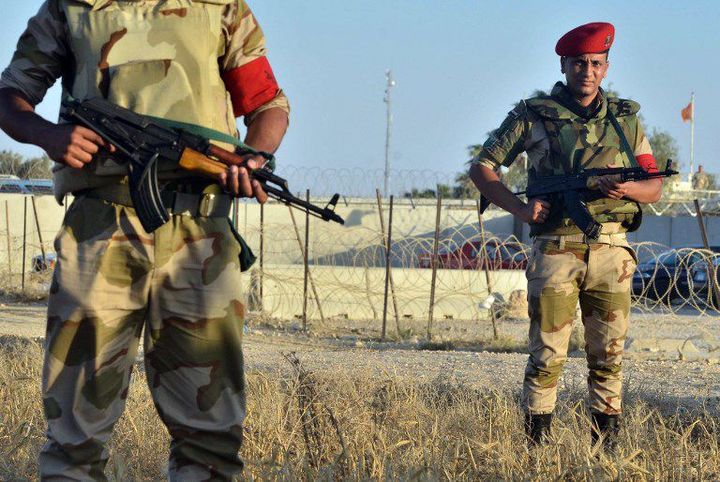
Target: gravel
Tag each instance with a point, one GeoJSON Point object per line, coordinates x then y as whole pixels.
{"type": "Point", "coordinates": [670, 384]}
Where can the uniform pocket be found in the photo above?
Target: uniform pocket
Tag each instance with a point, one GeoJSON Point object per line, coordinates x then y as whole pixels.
{"type": "Point", "coordinates": [632, 253]}
{"type": "Point", "coordinates": [625, 262]}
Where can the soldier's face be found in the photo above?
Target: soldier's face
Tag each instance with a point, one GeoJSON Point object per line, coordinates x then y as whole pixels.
{"type": "Point", "coordinates": [585, 73]}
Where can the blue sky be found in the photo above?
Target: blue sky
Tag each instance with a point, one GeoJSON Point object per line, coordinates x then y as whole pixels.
{"type": "Point", "coordinates": [460, 65]}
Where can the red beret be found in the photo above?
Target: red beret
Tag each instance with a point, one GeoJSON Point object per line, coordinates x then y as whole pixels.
{"type": "Point", "coordinates": [592, 38]}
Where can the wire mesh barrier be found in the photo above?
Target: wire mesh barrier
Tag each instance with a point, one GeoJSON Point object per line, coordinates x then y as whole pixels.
{"type": "Point", "coordinates": [414, 184]}
{"type": "Point", "coordinates": [444, 264]}
{"type": "Point", "coordinates": [475, 272]}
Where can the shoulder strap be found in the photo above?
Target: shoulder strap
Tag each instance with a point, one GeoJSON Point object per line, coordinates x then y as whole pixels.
{"type": "Point", "coordinates": [623, 140]}
{"type": "Point", "coordinates": [215, 136]}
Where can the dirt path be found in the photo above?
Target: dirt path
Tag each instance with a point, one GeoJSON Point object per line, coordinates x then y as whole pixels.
{"type": "Point", "coordinates": [669, 382]}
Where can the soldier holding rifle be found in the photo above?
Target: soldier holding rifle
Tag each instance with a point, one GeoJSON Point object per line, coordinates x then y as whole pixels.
{"type": "Point", "coordinates": [575, 128]}
{"type": "Point", "coordinates": [199, 62]}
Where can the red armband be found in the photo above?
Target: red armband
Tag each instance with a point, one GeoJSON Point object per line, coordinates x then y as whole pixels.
{"type": "Point", "coordinates": [250, 86]}
{"type": "Point", "coordinates": [647, 162]}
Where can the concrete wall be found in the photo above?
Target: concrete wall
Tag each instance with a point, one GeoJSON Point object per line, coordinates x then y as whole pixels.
{"type": "Point", "coordinates": [413, 229]}
{"type": "Point", "coordinates": [362, 227]}
{"type": "Point", "coordinates": [358, 293]}
{"type": "Point", "coordinates": [19, 209]}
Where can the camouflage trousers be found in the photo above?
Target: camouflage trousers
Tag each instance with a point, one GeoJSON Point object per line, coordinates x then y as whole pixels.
{"type": "Point", "coordinates": [599, 276]}
{"type": "Point", "coordinates": [182, 286]}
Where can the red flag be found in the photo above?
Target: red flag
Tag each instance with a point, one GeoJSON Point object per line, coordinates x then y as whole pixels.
{"type": "Point", "coordinates": [687, 113]}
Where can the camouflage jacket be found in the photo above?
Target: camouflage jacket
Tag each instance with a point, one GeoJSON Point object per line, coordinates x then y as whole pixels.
{"type": "Point", "coordinates": [164, 58]}
{"type": "Point", "coordinates": [560, 138]}
{"type": "Point", "coordinates": [700, 180]}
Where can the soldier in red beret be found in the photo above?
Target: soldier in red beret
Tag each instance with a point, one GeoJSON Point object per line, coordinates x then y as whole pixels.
{"type": "Point", "coordinates": [574, 128]}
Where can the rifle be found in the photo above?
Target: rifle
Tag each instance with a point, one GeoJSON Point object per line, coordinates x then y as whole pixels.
{"type": "Point", "coordinates": [575, 190]}
{"type": "Point", "coordinates": [144, 140]}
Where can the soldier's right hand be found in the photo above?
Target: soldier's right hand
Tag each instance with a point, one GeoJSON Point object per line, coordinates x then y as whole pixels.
{"type": "Point", "coordinates": [71, 144]}
{"type": "Point", "coordinates": [536, 211]}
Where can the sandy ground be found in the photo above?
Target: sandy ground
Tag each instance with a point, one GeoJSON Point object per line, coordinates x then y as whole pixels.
{"type": "Point", "coordinates": [349, 346]}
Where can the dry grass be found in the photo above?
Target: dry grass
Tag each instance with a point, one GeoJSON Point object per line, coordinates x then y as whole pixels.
{"type": "Point", "coordinates": [322, 426]}
{"type": "Point", "coordinates": [37, 286]}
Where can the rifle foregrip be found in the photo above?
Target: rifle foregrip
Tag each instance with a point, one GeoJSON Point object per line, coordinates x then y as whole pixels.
{"type": "Point", "coordinates": [194, 161]}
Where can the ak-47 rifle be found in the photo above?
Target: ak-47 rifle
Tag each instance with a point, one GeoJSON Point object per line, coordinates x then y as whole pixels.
{"type": "Point", "coordinates": [144, 140]}
{"type": "Point", "coordinates": [575, 190]}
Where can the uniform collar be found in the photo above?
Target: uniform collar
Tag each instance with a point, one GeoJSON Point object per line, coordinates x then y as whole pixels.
{"type": "Point", "coordinates": [96, 4]}
{"type": "Point", "coordinates": [597, 110]}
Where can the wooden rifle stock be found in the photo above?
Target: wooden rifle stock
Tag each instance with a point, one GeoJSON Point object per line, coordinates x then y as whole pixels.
{"type": "Point", "coordinates": [194, 161]}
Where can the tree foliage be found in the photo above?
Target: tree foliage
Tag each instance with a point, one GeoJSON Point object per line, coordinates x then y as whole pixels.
{"type": "Point", "coordinates": [664, 147]}
{"type": "Point", "coordinates": [12, 163]}
{"type": "Point", "coordinates": [446, 191]}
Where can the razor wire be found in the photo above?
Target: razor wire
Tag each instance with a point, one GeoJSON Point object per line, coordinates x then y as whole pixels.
{"type": "Point", "coordinates": [347, 264]}
{"type": "Point", "coordinates": [362, 182]}
{"type": "Point", "coordinates": [349, 269]}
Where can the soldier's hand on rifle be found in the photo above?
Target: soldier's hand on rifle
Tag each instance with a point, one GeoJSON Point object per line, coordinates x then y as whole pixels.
{"type": "Point", "coordinates": [237, 181]}
{"type": "Point", "coordinates": [611, 188]}
{"type": "Point", "coordinates": [72, 145]}
{"type": "Point", "coordinates": [536, 211]}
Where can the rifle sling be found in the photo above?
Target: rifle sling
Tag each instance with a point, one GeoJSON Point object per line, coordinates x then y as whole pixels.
{"type": "Point", "coordinates": [214, 135]}
{"type": "Point", "coordinates": [634, 225]}
{"type": "Point", "coordinates": [624, 144]}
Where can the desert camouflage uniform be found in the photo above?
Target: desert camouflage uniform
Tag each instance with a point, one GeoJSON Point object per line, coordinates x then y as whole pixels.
{"type": "Point", "coordinates": [180, 284]}
{"type": "Point", "coordinates": [162, 58]}
{"type": "Point", "coordinates": [565, 268]}
{"type": "Point", "coordinates": [700, 180]}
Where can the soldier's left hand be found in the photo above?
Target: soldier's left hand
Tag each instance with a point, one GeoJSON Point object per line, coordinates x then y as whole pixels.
{"type": "Point", "coordinates": [614, 190]}
{"type": "Point", "coordinates": [611, 188]}
{"type": "Point", "coordinates": [237, 181]}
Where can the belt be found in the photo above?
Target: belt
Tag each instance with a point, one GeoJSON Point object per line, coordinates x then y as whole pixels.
{"type": "Point", "coordinates": [615, 239]}
{"type": "Point", "coordinates": [207, 205]}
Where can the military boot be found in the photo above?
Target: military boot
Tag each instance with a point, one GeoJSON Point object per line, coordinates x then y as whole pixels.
{"type": "Point", "coordinates": [537, 428]}
{"type": "Point", "coordinates": [606, 429]}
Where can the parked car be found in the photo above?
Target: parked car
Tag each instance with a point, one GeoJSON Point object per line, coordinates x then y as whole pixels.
{"type": "Point", "coordinates": [702, 275]}
{"type": "Point", "coordinates": [498, 255]}
{"type": "Point", "coordinates": [38, 264]}
{"type": "Point", "coordinates": [666, 277]}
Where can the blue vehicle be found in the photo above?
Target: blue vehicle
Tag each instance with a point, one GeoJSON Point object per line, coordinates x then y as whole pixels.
{"type": "Point", "coordinates": [14, 185]}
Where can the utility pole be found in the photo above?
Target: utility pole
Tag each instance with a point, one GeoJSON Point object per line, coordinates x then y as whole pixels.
{"type": "Point", "coordinates": [388, 132]}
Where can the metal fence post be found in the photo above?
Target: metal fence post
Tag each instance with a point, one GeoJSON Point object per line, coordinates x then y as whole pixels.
{"type": "Point", "coordinates": [485, 261]}
{"type": "Point", "coordinates": [9, 242]}
{"type": "Point", "coordinates": [306, 272]}
{"type": "Point", "coordinates": [24, 246]}
{"type": "Point", "coordinates": [388, 270]}
{"type": "Point", "coordinates": [262, 256]}
{"type": "Point", "coordinates": [712, 269]}
{"type": "Point", "coordinates": [303, 251]}
{"type": "Point", "coordinates": [434, 261]}
{"type": "Point", "coordinates": [39, 231]}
